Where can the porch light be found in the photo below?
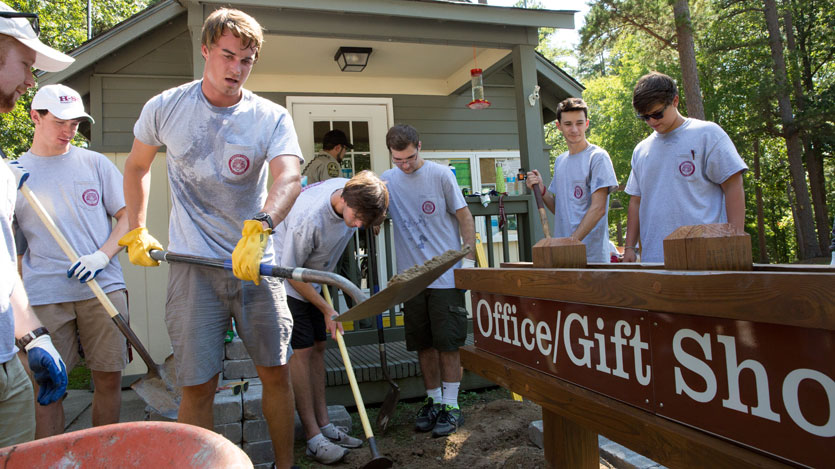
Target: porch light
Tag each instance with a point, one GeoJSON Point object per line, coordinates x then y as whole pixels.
{"type": "Point", "coordinates": [352, 59]}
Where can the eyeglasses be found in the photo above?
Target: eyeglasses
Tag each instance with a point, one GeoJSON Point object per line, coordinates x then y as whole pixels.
{"type": "Point", "coordinates": [402, 161]}
{"type": "Point", "coordinates": [654, 115]}
{"type": "Point", "coordinates": [32, 17]}
{"type": "Point", "coordinates": [236, 386]}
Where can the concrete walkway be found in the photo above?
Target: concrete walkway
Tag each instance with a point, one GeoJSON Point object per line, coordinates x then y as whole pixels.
{"type": "Point", "coordinates": [78, 408]}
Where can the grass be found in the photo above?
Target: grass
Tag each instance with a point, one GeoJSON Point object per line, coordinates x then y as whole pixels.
{"type": "Point", "coordinates": [79, 378]}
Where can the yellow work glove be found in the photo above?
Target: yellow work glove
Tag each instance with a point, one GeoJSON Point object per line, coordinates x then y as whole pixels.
{"type": "Point", "coordinates": [246, 258]}
{"type": "Point", "coordinates": [138, 243]}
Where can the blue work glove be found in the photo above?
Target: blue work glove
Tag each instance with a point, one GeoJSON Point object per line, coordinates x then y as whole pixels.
{"type": "Point", "coordinates": [49, 369]}
{"type": "Point", "coordinates": [21, 174]}
{"type": "Point", "coordinates": [87, 267]}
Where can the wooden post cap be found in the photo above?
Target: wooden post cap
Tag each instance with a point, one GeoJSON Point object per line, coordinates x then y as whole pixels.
{"type": "Point", "coordinates": [708, 247]}
{"type": "Point", "coordinates": [559, 252]}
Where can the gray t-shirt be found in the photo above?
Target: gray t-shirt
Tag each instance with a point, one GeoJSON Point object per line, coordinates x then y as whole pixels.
{"type": "Point", "coordinates": [678, 177]}
{"type": "Point", "coordinates": [8, 263]}
{"type": "Point", "coordinates": [81, 190]}
{"type": "Point", "coordinates": [576, 177]}
{"type": "Point", "coordinates": [322, 168]}
{"type": "Point", "coordinates": [217, 163]}
{"type": "Point", "coordinates": [313, 235]}
{"type": "Point", "coordinates": [422, 206]}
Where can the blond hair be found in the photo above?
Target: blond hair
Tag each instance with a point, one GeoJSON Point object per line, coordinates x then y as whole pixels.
{"type": "Point", "coordinates": [241, 25]}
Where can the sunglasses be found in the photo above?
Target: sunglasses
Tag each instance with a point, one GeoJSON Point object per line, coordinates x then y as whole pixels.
{"type": "Point", "coordinates": [655, 115]}
{"type": "Point", "coordinates": [32, 17]}
{"type": "Point", "coordinates": [236, 387]}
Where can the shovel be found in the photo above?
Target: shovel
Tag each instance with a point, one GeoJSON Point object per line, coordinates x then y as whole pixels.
{"type": "Point", "coordinates": [402, 287]}
{"type": "Point", "coordinates": [393, 395]}
{"type": "Point", "coordinates": [156, 388]}
{"type": "Point", "coordinates": [377, 461]}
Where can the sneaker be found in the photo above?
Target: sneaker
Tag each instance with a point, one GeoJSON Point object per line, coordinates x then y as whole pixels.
{"type": "Point", "coordinates": [326, 452]}
{"type": "Point", "coordinates": [427, 415]}
{"type": "Point", "coordinates": [344, 440]}
{"type": "Point", "coordinates": [448, 421]}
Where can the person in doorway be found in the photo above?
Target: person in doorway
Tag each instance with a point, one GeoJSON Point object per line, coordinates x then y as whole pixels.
{"type": "Point", "coordinates": [20, 328]}
{"type": "Point", "coordinates": [325, 166]}
{"type": "Point", "coordinates": [222, 141]}
{"type": "Point", "coordinates": [578, 195]}
{"type": "Point", "coordinates": [687, 172]}
{"type": "Point", "coordinates": [82, 191]}
{"type": "Point", "coordinates": [326, 215]}
{"type": "Point", "coordinates": [430, 217]}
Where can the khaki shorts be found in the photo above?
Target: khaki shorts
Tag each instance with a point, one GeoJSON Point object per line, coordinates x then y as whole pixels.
{"type": "Point", "coordinates": [200, 302]}
{"type": "Point", "coordinates": [17, 406]}
{"type": "Point", "coordinates": [104, 346]}
{"type": "Point", "coordinates": [436, 318]}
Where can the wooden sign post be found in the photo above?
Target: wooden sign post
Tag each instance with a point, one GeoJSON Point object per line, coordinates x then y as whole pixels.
{"type": "Point", "coordinates": [707, 247]}
{"type": "Point", "coordinates": [551, 252]}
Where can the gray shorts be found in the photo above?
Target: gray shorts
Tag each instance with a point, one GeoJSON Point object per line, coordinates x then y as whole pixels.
{"type": "Point", "coordinates": [200, 302]}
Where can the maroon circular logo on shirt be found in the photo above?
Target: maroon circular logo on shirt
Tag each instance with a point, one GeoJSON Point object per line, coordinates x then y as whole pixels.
{"type": "Point", "coordinates": [238, 164]}
{"type": "Point", "coordinates": [428, 207]}
{"type": "Point", "coordinates": [578, 192]}
{"type": "Point", "coordinates": [90, 197]}
{"type": "Point", "coordinates": [687, 168]}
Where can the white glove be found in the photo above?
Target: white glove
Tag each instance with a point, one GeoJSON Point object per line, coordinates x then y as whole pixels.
{"type": "Point", "coordinates": [20, 173]}
{"type": "Point", "coordinates": [467, 263]}
{"type": "Point", "coordinates": [87, 267]}
{"type": "Point", "coordinates": [49, 369]}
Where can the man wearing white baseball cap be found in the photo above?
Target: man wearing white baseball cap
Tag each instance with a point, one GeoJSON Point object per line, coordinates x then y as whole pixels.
{"type": "Point", "coordinates": [82, 192]}
{"type": "Point", "coordinates": [19, 51]}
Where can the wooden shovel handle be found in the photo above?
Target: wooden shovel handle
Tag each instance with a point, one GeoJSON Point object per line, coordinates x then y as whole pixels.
{"type": "Point", "coordinates": [543, 216]}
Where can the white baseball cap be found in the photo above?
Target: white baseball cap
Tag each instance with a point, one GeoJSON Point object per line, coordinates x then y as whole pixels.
{"type": "Point", "coordinates": [62, 101]}
{"type": "Point", "coordinates": [47, 58]}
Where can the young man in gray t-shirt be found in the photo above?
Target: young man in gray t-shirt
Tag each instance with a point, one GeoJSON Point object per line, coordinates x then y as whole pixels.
{"type": "Point", "coordinates": [82, 191]}
{"type": "Point", "coordinates": [687, 172]}
{"type": "Point", "coordinates": [583, 179]}
{"type": "Point", "coordinates": [430, 217]}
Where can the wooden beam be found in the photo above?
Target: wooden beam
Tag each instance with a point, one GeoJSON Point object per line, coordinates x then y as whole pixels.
{"type": "Point", "coordinates": [661, 440]}
{"type": "Point", "coordinates": [803, 299]}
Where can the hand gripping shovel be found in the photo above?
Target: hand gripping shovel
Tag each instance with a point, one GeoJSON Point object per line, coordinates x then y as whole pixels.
{"type": "Point", "coordinates": [156, 388]}
{"type": "Point", "coordinates": [393, 395]}
{"type": "Point", "coordinates": [402, 287]}
{"type": "Point", "coordinates": [377, 461]}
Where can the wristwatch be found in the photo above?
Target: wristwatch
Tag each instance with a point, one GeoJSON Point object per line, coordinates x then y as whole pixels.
{"type": "Point", "coordinates": [30, 336]}
{"type": "Point", "coordinates": [265, 217]}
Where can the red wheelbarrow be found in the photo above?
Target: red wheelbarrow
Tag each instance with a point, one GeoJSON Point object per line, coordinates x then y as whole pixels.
{"type": "Point", "coordinates": [131, 444]}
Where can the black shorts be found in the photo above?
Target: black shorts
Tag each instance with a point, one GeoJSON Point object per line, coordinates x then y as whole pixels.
{"type": "Point", "coordinates": [436, 318]}
{"type": "Point", "coordinates": [308, 324]}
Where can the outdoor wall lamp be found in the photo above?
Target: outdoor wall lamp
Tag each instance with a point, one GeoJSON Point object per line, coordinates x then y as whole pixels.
{"type": "Point", "coordinates": [352, 59]}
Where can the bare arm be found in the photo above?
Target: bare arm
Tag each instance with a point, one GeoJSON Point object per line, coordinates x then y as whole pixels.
{"type": "Point", "coordinates": [735, 201]}
{"type": "Point", "coordinates": [633, 229]}
{"type": "Point", "coordinates": [534, 177]}
{"type": "Point", "coordinates": [25, 320]}
{"type": "Point", "coordinates": [466, 225]}
{"type": "Point", "coordinates": [285, 188]}
{"type": "Point", "coordinates": [111, 246]}
{"type": "Point", "coordinates": [137, 183]}
{"type": "Point", "coordinates": [595, 212]}
{"type": "Point", "coordinates": [309, 293]}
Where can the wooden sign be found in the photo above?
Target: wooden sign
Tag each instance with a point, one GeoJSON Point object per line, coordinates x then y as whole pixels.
{"type": "Point", "coordinates": [766, 386]}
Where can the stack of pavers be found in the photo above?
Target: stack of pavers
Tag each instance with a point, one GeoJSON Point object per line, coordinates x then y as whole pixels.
{"type": "Point", "coordinates": [239, 417]}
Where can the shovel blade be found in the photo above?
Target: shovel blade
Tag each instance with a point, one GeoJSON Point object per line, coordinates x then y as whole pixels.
{"type": "Point", "coordinates": [159, 390]}
{"type": "Point", "coordinates": [388, 407]}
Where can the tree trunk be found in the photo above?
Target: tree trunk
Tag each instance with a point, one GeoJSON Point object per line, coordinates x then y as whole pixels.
{"type": "Point", "coordinates": [814, 165]}
{"type": "Point", "coordinates": [807, 246]}
{"type": "Point", "coordinates": [760, 214]}
{"type": "Point", "coordinates": [687, 57]}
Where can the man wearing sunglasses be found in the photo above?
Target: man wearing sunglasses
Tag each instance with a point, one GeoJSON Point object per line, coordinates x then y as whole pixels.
{"type": "Point", "coordinates": [687, 172]}
{"type": "Point", "coordinates": [20, 51]}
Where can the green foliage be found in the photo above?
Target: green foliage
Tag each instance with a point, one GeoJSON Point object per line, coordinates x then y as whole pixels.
{"type": "Point", "coordinates": [64, 27]}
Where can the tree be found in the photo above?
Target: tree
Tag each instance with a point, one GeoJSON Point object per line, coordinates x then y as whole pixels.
{"type": "Point", "coordinates": [687, 57]}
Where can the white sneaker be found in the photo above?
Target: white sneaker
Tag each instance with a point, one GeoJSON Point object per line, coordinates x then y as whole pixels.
{"type": "Point", "coordinates": [326, 452]}
{"type": "Point", "coordinates": [343, 439]}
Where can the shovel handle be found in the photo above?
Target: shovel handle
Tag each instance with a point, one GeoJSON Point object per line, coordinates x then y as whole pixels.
{"type": "Point", "coordinates": [299, 274]}
{"type": "Point", "coordinates": [543, 216]}
{"type": "Point", "coordinates": [100, 294]}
